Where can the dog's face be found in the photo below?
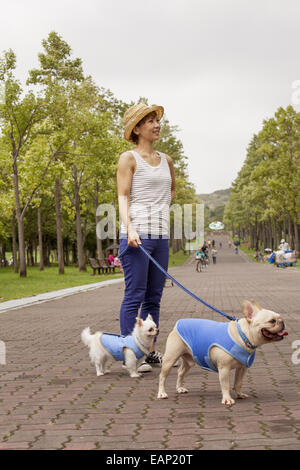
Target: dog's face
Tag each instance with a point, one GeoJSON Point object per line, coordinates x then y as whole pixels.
{"type": "Point", "coordinates": [146, 328]}
{"type": "Point", "coordinates": [266, 326]}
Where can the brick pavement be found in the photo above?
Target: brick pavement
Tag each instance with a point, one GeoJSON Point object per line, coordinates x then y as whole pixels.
{"type": "Point", "coordinates": [50, 397]}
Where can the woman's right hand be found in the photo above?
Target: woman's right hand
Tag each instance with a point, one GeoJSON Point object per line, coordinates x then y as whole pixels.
{"type": "Point", "coordinates": [133, 239]}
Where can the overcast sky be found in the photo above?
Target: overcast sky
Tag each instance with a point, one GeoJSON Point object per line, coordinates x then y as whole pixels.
{"type": "Point", "coordinates": [219, 67]}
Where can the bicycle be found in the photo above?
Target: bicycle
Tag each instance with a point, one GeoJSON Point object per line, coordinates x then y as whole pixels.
{"type": "Point", "coordinates": [200, 263]}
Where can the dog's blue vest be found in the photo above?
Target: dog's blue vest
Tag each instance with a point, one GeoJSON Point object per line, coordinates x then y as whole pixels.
{"type": "Point", "coordinates": [201, 335]}
{"type": "Point", "coordinates": [116, 343]}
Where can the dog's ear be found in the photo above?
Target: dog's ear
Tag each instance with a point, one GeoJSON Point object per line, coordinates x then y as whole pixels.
{"type": "Point", "coordinates": [249, 309]}
{"type": "Point", "coordinates": [256, 304]}
{"type": "Point", "coordinates": [139, 321]}
{"type": "Point", "coordinates": [149, 317]}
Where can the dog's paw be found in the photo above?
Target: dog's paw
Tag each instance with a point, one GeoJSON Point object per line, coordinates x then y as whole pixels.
{"type": "Point", "coordinates": [182, 390]}
{"type": "Point", "coordinates": [241, 396]}
{"type": "Point", "coordinates": [228, 401]}
{"type": "Point", "coordinates": [100, 373]}
{"type": "Point", "coordinates": [162, 395]}
{"type": "Point", "coordinates": [135, 375]}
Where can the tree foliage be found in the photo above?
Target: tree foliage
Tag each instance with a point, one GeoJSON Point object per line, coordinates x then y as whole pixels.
{"type": "Point", "coordinates": [60, 140]}
{"type": "Point", "coordinates": [265, 198]}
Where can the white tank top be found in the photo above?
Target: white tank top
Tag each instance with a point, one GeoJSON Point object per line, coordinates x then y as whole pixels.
{"type": "Point", "coordinates": [150, 197]}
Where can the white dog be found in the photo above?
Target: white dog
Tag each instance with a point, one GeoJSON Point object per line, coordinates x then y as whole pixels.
{"type": "Point", "coordinates": [130, 349]}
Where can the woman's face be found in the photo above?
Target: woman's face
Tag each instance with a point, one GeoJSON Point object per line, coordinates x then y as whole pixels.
{"type": "Point", "coordinates": [149, 128]}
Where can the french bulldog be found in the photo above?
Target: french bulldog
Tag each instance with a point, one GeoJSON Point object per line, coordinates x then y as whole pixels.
{"type": "Point", "coordinates": [220, 347]}
{"type": "Point", "coordinates": [130, 349]}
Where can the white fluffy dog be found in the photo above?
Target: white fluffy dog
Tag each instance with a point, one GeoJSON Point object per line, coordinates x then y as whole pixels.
{"type": "Point", "coordinates": [130, 349]}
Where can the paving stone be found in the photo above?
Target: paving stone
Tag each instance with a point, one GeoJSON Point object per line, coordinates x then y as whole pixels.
{"type": "Point", "coordinates": [80, 446]}
{"type": "Point", "coordinates": [13, 445]}
{"type": "Point", "coordinates": [51, 398]}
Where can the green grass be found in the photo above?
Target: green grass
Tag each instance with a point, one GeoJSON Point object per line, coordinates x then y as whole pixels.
{"type": "Point", "coordinates": [249, 251]}
{"type": "Point", "coordinates": [178, 258]}
{"type": "Point", "coordinates": [12, 286]}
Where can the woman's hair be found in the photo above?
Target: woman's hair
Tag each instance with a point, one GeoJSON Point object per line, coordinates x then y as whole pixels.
{"type": "Point", "coordinates": [134, 137]}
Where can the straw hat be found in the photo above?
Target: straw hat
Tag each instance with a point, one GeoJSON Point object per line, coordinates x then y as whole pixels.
{"type": "Point", "coordinates": [135, 114]}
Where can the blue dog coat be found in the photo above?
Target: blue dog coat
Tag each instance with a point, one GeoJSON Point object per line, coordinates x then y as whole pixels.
{"type": "Point", "coordinates": [201, 335]}
{"type": "Point", "coordinates": [116, 343]}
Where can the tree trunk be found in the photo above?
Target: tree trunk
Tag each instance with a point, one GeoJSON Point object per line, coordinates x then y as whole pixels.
{"type": "Point", "coordinates": [256, 234]}
{"type": "Point", "coordinates": [60, 251]}
{"type": "Point", "coordinates": [22, 253]}
{"type": "Point", "coordinates": [271, 241]}
{"type": "Point", "coordinates": [30, 254]}
{"type": "Point", "coordinates": [40, 233]}
{"type": "Point", "coordinates": [283, 235]}
{"type": "Point", "coordinates": [260, 236]}
{"type": "Point", "coordinates": [296, 234]}
{"type": "Point", "coordinates": [279, 231]}
{"type": "Point", "coordinates": [79, 236]}
{"type": "Point", "coordinates": [99, 241]}
{"type": "Point", "coordinates": [3, 260]}
{"type": "Point", "coordinates": [20, 220]}
{"type": "Point", "coordinates": [66, 252]}
{"type": "Point", "coordinates": [290, 232]}
{"type": "Point", "coordinates": [274, 225]}
{"type": "Point", "coordinates": [74, 253]}
{"type": "Point", "coordinates": [265, 241]}
{"type": "Point", "coordinates": [14, 243]}
{"type": "Point", "coordinates": [252, 237]}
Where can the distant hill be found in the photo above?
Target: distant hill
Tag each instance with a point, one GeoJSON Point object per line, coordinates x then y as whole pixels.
{"type": "Point", "coordinates": [214, 205]}
{"type": "Point", "coordinates": [215, 199]}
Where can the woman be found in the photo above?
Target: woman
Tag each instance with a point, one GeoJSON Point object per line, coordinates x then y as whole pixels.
{"type": "Point", "coordinates": [111, 258]}
{"type": "Point", "coordinates": [146, 187]}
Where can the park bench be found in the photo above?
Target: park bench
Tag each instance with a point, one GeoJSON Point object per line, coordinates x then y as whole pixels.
{"type": "Point", "coordinates": [103, 266]}
{"type": "Point", "coordinates": [94, 265]}
{"type": "Point", "coordinates": [111, 268]}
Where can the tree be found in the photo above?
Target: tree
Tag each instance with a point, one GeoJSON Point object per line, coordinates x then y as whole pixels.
{"type": "Point", "coordinates": [58, 75]}
{"type": "Point", "coordinates": [265, 197]}
{"type": "Point", "coordinates": [20, 119]}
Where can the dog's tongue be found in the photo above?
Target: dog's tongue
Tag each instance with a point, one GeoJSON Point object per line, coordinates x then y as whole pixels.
{"type": "Point", "coordinates": [282, 333]}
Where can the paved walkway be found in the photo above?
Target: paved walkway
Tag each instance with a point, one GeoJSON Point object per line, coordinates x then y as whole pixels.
{"type": "Point", "coordinates": [50, 397]}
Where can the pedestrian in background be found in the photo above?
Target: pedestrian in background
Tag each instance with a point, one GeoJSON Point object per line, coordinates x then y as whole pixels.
{"type": "Point", "coordinates": [214, 255]}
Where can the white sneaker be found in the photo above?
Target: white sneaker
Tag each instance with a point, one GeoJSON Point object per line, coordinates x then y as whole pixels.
{"type": "Point", "coordinates": [144, 367]}
{"type": "Point", "coordinates": [154, 358]}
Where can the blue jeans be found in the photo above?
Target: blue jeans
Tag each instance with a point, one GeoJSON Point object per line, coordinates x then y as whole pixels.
{"type": "Point", "coordinates": [144, 282]}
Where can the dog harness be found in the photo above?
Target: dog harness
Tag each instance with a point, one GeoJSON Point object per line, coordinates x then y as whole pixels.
{"type": "Point", "coordinates": [116, 343]}
{"type": "Point", "coordinates": [201, 335]}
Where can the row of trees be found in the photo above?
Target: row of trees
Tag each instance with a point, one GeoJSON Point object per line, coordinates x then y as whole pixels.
{"type": "Point", "coordinates": [60, 139]}
{"type": "Point", "coordinates": [265, 199]}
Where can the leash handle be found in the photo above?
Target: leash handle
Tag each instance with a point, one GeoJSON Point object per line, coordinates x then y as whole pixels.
{"type": "Point", "coordinates": [182, 287]}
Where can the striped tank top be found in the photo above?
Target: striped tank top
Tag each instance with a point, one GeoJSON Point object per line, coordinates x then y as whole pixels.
{"type": "Point", "coordinates": [150, 197]}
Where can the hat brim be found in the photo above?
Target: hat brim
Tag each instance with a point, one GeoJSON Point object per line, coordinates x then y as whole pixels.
{"type": "Point", "coordinates": [139, 116]}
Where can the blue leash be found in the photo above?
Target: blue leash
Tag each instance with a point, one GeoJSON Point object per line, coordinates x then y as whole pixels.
{"type": "Point", "coordinates": [182, 287]}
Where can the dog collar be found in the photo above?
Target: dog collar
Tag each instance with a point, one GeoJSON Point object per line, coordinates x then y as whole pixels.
{"type": "Point", "coordinates": [244, 337]}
